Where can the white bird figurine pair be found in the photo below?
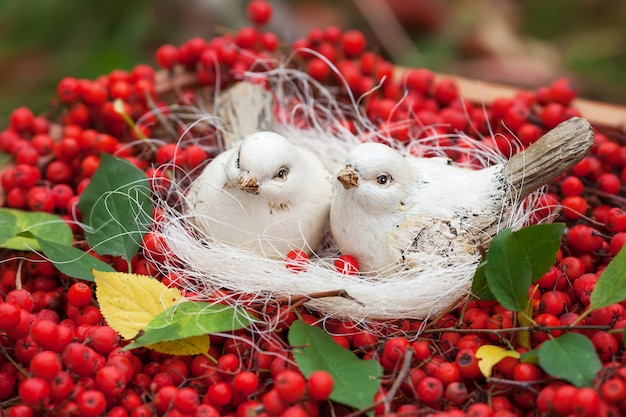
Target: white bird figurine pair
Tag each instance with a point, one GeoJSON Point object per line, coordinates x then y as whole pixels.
{"type": "Point", "coordinates": [389, 211]}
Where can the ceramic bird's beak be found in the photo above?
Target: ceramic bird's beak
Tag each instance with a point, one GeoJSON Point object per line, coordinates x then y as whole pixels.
{"type": "Point", "coordinates": [248, 182]}
{"type": "Point", "coordinates": [348, 177]}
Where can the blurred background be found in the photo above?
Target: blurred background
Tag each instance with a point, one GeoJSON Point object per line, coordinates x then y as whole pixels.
{"type": "Point", "coordinates": [520, 43]}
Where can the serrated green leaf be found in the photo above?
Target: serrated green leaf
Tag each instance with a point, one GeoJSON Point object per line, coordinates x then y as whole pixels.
{"type": "Point", "coordinates": [571, 357]}
{"type": "Point", "coordinates": [611, 285]}
{"type": "Point", "coordinates": [189, 319]}
{"type": "Point", "coordinates": [72, 261]}
{"type": "Point", "coordinates": [540, 243]}
{"type": "Point", "coordinates": [18, 228]}
{"type": "Point", "coordinates": [508, 271]}
{"type": "Point", "coordinates": [480, 289]}
{"type": "Point", "coordinates": [356, 380]}
{"type": "Point", "coordinates": [117, 208]}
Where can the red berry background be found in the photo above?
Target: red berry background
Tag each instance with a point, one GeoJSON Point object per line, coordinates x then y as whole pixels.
{"type": "Point", "coordinates": [60, 358]}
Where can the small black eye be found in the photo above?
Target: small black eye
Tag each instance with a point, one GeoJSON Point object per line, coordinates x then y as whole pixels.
{"type": "Point", "coordinates": [383, 179]}
{"type": "Point", "coordinates": [281, 174]}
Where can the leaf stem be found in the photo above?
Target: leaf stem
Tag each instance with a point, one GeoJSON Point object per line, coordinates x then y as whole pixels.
{"type": "Point", "coordinates": [582, 317]}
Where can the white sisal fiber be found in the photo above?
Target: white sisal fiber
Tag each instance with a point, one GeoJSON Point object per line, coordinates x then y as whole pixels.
{"type": "Point", "coordinates": [310, 116]}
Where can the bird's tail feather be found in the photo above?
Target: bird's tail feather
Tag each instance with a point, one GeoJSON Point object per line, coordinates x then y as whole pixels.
{"type": "Point", "coordinates": [554, 153]}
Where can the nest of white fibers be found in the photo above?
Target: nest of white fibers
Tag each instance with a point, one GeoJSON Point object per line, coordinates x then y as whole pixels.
{"type": "Point", "coordinates": [210, 270]}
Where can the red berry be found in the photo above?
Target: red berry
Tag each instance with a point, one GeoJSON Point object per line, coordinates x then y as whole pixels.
{"type": "Point", "coordinates": [91, 403]}
{"type": "Point", "coordinates": [9, 316]}
{"type": "Point", "coordinates": [353, 43]}
{"type": "Point", "coordinates": [320, 385]}
{"type": "Point", "coordinates": [45, 364]}
{"type": "Point", "coordinates": [563, 91]}
{"type": "Point", "coordinates": [290, 386]}
{"type": "Point", "coordinates": [245, 382]}
{"type": "Point", "coordinates": [167, 56]}
{"type": "Point", "coordinates": [34, 392]}
{"type": "Point", "coordinates": [429, 390]}
{"type": "Point", "coordinates": [259, 12]}
{"type": "Point", "coordinates": [297, 260]}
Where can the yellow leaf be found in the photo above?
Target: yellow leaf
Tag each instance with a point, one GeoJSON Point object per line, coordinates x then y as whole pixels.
{"type": "Point", "coordinates": [129, 302]}
{"type": "Point", "coordinates": [490, 355]}
{"type": "Point", "coordinates": [195, 345]}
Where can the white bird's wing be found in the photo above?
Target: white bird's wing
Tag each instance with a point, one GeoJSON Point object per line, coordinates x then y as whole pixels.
{"type": "Point", "coordinates": [245, 108]}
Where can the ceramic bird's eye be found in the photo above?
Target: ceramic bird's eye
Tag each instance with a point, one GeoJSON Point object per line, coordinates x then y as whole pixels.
{"type": "Point", "coordinates": [383, 179]}
{"type": "Point", "coordinates": [237, 162]}
{"type": "Point", "coordinates": [281, 174]}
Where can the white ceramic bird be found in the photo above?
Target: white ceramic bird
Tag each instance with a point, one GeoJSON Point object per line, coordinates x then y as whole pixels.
{"type": "Point", "coordinates": [265, 195]}
{"type": "Point", "coordinates": [391, 211]}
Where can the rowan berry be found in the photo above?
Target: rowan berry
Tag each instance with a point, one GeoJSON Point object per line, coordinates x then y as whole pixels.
{"type": "Point", "coordinates": [616, 244]}
{"type": "Point", "coordinates": [59, 172]}
{"type": "Point", "coordinates": [245, 382]}
{"type": "Point", "coordinates": [572, 267]}
{"type": "Point", "coordinates": [615, 220]}
{"type": "Point", "coordinates": [21, 298]}
{"type": "Point", "coordinates": [21, 119]}
{"type": "Point", "coordinates": [430, 390]}
{"type": "Point", "coordinates": [527, 372]}
{"type": "Point", "coordinates": [467, 364]}
{"type": "Point", "coordinates": [446, 91]}
{"type": "Point", "coordinates": [606, 345]}
{"type": "Point", "coordinates": [91, 403]}
{"type": "Point", "coordinates": [552, 115]}
{"type": "Point", "coordinates": [39, 198]}
{"type": "Point", "coordinates": [346, 264]}
{"type": "Point", "coordinates": [608, 183]}
{"type": "Point", "coordinates": [353, 43]}
{"type": "Point", "coordinates": [220, 394]}
{"type": "Point", "coordinates": [186, 401]}
{"type": "Point", "coordinates": [574, 206]}
{"type": "Point", "coordinates": [61, 386]}
{"type": "Point", "coordinates": [297, 261]}
{"type": "Point", "coordinates": [45, 364]}
{"type": "Point", "coordinates": [563, 91]}
{"type": "Point", "coordinates": [320, 385]}
{"type": "Point", "coordinates": [110, 380]}
{"type": "Point", "coordinates": [571, 185]}
{"type": "Point", "coordinates": [7, 385]}
{"type": "Point", "coordinates": [34, 392]}
{"type": "Point", "coordinates": [9, 315]}
{"type": "Point", "coordinates": [613, 390]}
{"type": "Point", "coordinates": [259, 12]}
{"type": "Point", "coordinates": [586, 402]}
{"type": "Point", "coordinates": [546, 320]}
{"type": "Point", "coordinates": [290, 385]}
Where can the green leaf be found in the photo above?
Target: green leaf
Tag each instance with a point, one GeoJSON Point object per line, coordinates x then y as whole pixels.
{"type": "Point", "coordinates": [117, 208]}
{"type": "Point", "coordinates": [532, 356]}
{"type": "Point", "coordinates": [541, 243]}
{"type": "Point", "coordinates": [72, 261]}
{"type": "Point", "coordinates": [508, 271]}
{"type": "Point", "coordinates": [188, 319]}
{"type": "Point", "coordinates": [18, 228]}
{"type": "Point", "coordinates": [480, 289]}
{"type": "Point", "coordinates": [611, 286]}
{"type": "Point", "coordinates": [571, 357]}
{"type": "Point", "coordinates": [356, 380]}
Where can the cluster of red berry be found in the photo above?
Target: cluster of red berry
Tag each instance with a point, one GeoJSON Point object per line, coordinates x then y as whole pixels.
{"type": "Point", "coordinates": [60, 358]}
